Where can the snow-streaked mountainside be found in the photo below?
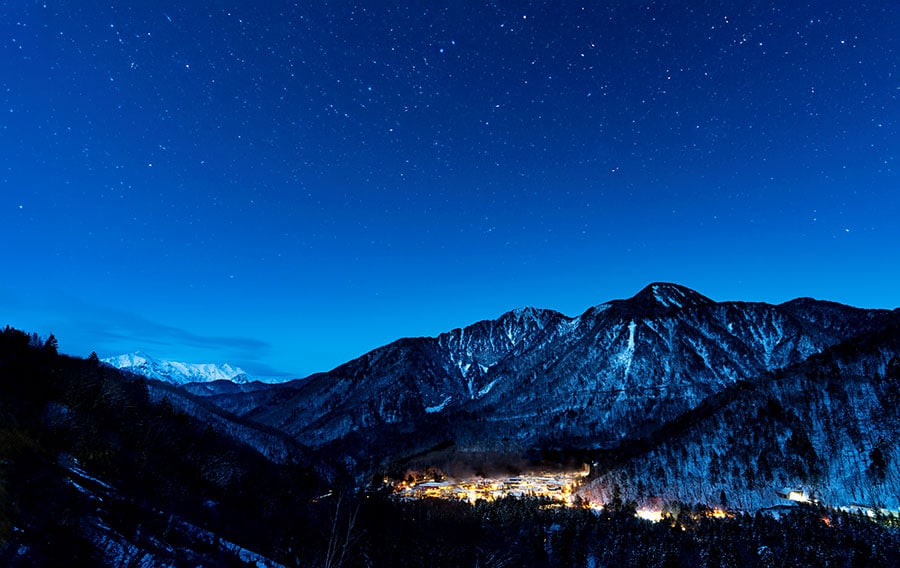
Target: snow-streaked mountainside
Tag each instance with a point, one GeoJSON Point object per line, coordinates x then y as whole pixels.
{"type": "Point", "coordinates": [827, 427]}
{"type": "Point", "coordinates": [622, 372]}
{"type": "Point", "coordinates": [614, 371]}
{"type": "Point", "coordinates": [178, 373]}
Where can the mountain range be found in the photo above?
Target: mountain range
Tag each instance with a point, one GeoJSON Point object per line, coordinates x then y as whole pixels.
{"type": "Point", "coordinates": [201, 378]}
{"type": "Point", "coordinates": [176, 372]}
{"type": "Point", "coordinates": [620, 373]}
{"type": "Point", "coordinates": [673, 399]}
{"type": "Point", "coordinates": [616, 379]}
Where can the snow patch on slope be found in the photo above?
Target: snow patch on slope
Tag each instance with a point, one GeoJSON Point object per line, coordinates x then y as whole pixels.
{"type": "Point", "coordinates": [667, 299]}
{"type": "Point", "coordinates": [487, 388]}
{"type": "Point", "coordinates": [627, 356]}
{"type": "Point", "coordinates": [439, 407]}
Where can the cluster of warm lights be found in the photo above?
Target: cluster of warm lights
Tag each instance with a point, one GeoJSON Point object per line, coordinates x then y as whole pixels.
{"type": "Point", "coordinates": [656, 515]}
{"type": "Point", "coordinates": [560, 490]}
{"type": "Point", "coordinates": [649, 515]}
{"type": "Point", "coordinates": [556, 487]}
{"type": "Point", "coordinates": [799, 497]}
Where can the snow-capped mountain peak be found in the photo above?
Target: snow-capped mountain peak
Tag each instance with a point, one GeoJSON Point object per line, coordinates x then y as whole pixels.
{"type": "Point", "coordinates": [177, 372]}
{"type": "Point", "coordinates": [668, 295]}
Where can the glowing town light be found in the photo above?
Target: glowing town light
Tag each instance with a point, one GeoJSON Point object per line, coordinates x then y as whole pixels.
{"type": "Point", "coordinates": [649, 515]}
{"type": "Point", "coordinates": [557, 487]}
{"type": "Point", "coordinates": [798, 496]}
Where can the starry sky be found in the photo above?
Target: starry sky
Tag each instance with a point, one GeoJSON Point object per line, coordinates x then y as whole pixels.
{"type": "Point", "coordinates": [284, 186]}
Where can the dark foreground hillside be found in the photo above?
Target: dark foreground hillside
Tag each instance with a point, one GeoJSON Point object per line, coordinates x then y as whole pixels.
{"type": "Point", "coordinates": [93, 473]}
{"type": "Point", "coordinates": [513, 532]}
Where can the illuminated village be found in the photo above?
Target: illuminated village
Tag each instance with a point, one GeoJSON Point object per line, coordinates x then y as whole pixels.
{"type": "Point", "coordinates": [557, 487]}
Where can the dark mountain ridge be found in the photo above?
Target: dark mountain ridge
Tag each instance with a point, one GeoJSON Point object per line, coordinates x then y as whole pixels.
{"type": "Point", "coordinates": [827, 427]}
{"type": "Point", "coordinates": [537, 378]}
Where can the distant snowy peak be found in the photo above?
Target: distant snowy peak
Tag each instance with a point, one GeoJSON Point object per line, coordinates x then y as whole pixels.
{"type": "Point", "coordinates": [176, 372]}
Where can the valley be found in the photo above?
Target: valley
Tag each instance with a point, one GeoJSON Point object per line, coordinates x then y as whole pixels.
{"type": "Point", "coordinates": [710, 424]}
{"type": "Point", "coordinates": [560, 489]}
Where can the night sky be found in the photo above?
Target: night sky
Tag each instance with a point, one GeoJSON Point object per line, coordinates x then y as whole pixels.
{"type": "Point", "coordinates": [284, 187]}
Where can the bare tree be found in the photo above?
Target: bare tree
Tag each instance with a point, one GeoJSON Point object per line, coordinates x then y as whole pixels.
{"type": "Point", "coordinates": [342, 533]}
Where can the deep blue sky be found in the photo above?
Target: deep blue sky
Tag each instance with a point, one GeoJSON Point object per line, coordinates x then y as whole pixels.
{"type": "Point", "coordinates": [286, 187]}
